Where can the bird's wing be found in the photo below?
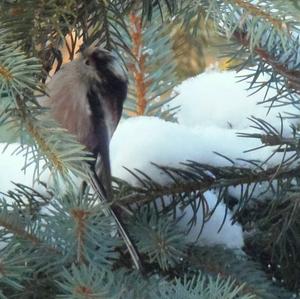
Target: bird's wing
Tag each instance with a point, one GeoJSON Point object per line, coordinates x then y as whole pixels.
{"type": "Point", "coordinates": [105, 122]}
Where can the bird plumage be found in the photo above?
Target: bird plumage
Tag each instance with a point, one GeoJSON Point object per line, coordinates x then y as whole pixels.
{"type": "Point", "coordinates": [86, 97]}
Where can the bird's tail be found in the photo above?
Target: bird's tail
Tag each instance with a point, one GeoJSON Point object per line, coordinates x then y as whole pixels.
{"type": "Point", "coordinates": [105, 197]}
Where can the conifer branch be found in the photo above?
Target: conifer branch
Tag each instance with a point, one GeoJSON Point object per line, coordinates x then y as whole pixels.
{"type": "Point", "coordinates": [20, 232]}
{"type": "Point", "coordinates": [138, 66]}
{"type": "Point", "coordinates": [149, 7]}
{"type": "Point", "coordinates": [277, 238]}
{"type": "Point", "coordinates": [5, 73]}
{"type": "Point", "coordinates": [19, 80]}
{"type": "Point", "coordinates": [257, 11]}
{"type": "Point", "coordinates": [80, 216]}
{"type": "Point", "coordinates": [13, 267]}
{"type": "Point", "coordinates": [105, 24]}
{"type": "Point", "coordinates": [149, 91]}
{"type": "Point", "coordinates": [36, 134]}
{"type": "Point", "coordinates": [194, 178]}
{"type": "Point", "coordinates": [71, 43]}
{"type": "Point", "coordinates": [88, 282]}
{"type": "Point", "coordinates": [291, 76]}
{"type": "Point", "coordinates": [236, 267]}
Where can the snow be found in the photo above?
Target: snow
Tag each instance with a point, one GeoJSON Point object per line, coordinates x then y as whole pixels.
{"type": "Point", "coordinates": [13, 165]}
{"type": "Point", "coordinates": [213, 109]}
{"type": "Point", "coordinates": [13, 161]}
{"type": "Point", "coordinates": [166, 143]}
{"type": "Point", "coordinates": [230, 235]}
{"type": "Point", "coordinates": [223, 101]}
{"type": "Point", "coordinates": [207, 123]}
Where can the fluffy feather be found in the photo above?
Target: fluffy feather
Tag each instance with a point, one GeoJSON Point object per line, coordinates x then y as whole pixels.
{"type": "Point", "coordinates": [86, 97]}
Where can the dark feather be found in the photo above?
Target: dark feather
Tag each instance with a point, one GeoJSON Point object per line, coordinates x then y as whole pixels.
{"type": "Point", "coordinates": [106, 98]}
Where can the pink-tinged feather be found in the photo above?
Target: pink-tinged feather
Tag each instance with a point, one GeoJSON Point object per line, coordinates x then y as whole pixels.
{"type": "Point", "coordinates": [76, 89]}
{"type": "Point", "coordinates": [68, 103]}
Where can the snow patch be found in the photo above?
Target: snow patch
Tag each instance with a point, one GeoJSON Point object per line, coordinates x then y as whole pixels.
{"type": "Point", "coordinates": [230, 235]}
{"type": "Point", "coordinates": [220, 99]}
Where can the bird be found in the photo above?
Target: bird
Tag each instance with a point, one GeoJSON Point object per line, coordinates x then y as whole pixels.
{"type": "Point", "coordinates": [86, 97]}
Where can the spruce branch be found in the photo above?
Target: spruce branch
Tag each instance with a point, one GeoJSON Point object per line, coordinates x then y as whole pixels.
{"type": "Point", "coordinates": [27, 199]}
{"type": "Point", "coordinates": [36, 133]}
{"type": "Point", "coordinates": [270, 136]}
{"type": "Point", "coordinates": [19, 231]}
{"type": "Point", "coordinates": [288, 146]}
{"type": "Point", "coordinates": [149, 7]}
{"type": "Point", "coordinates": [69, 228]}
{"type": "Point", "coordinates": [105, 26]}
{"type": "Point", "coordinates": [244, 272]}
{"type": "Point", "coordinates": [80, 217]}
{"type": "Point", "coordinates": [18, 72]}
{"type": "Point", "coordinates": [164, 243]}
{"type": "Point", "coordinates": [149, 91]}
{"type": "Point", "coordinates": [71, 43]}
{"type": "Point", "coordinates": [46, 139]}
{"type": "Point", "coordinates": [138, 68]}
{"type": "Point", "coordinates": [83, 215]}
{"type": "Point", "coordinates": [258, 20]}
{"type": "Point", "coordinates": [88, 282]}
{"type": "Point", "coordinates": [204, 286]}
{"type": "Point", "coordinates": [194, 177]}
{"type": "Point", "coordinates": [14, 223]}
{"type": "Point", "coordinates": [79, 227]}
{"type": "Point", "coordinates": [292, 76]}
{"type": "Point", "coordinates": [260, 12]}
{"type": "Point", "coordinates": [276, 242]}
{"type": "Point", "coordinates": [12, 270]}
{"type": "Point", "coordinates": [33, 23]}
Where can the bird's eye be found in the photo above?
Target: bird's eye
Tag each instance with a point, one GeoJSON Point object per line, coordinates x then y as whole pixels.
{"type": "Point", "coordinates": [87, 62]}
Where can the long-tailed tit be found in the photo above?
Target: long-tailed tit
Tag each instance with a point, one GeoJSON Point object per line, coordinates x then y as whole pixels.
{"type": "Point", "coordinates": [86, 97]}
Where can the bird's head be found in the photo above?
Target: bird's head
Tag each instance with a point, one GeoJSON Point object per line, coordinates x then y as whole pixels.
{"type": "Point", "coordinates": [101, 63]}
